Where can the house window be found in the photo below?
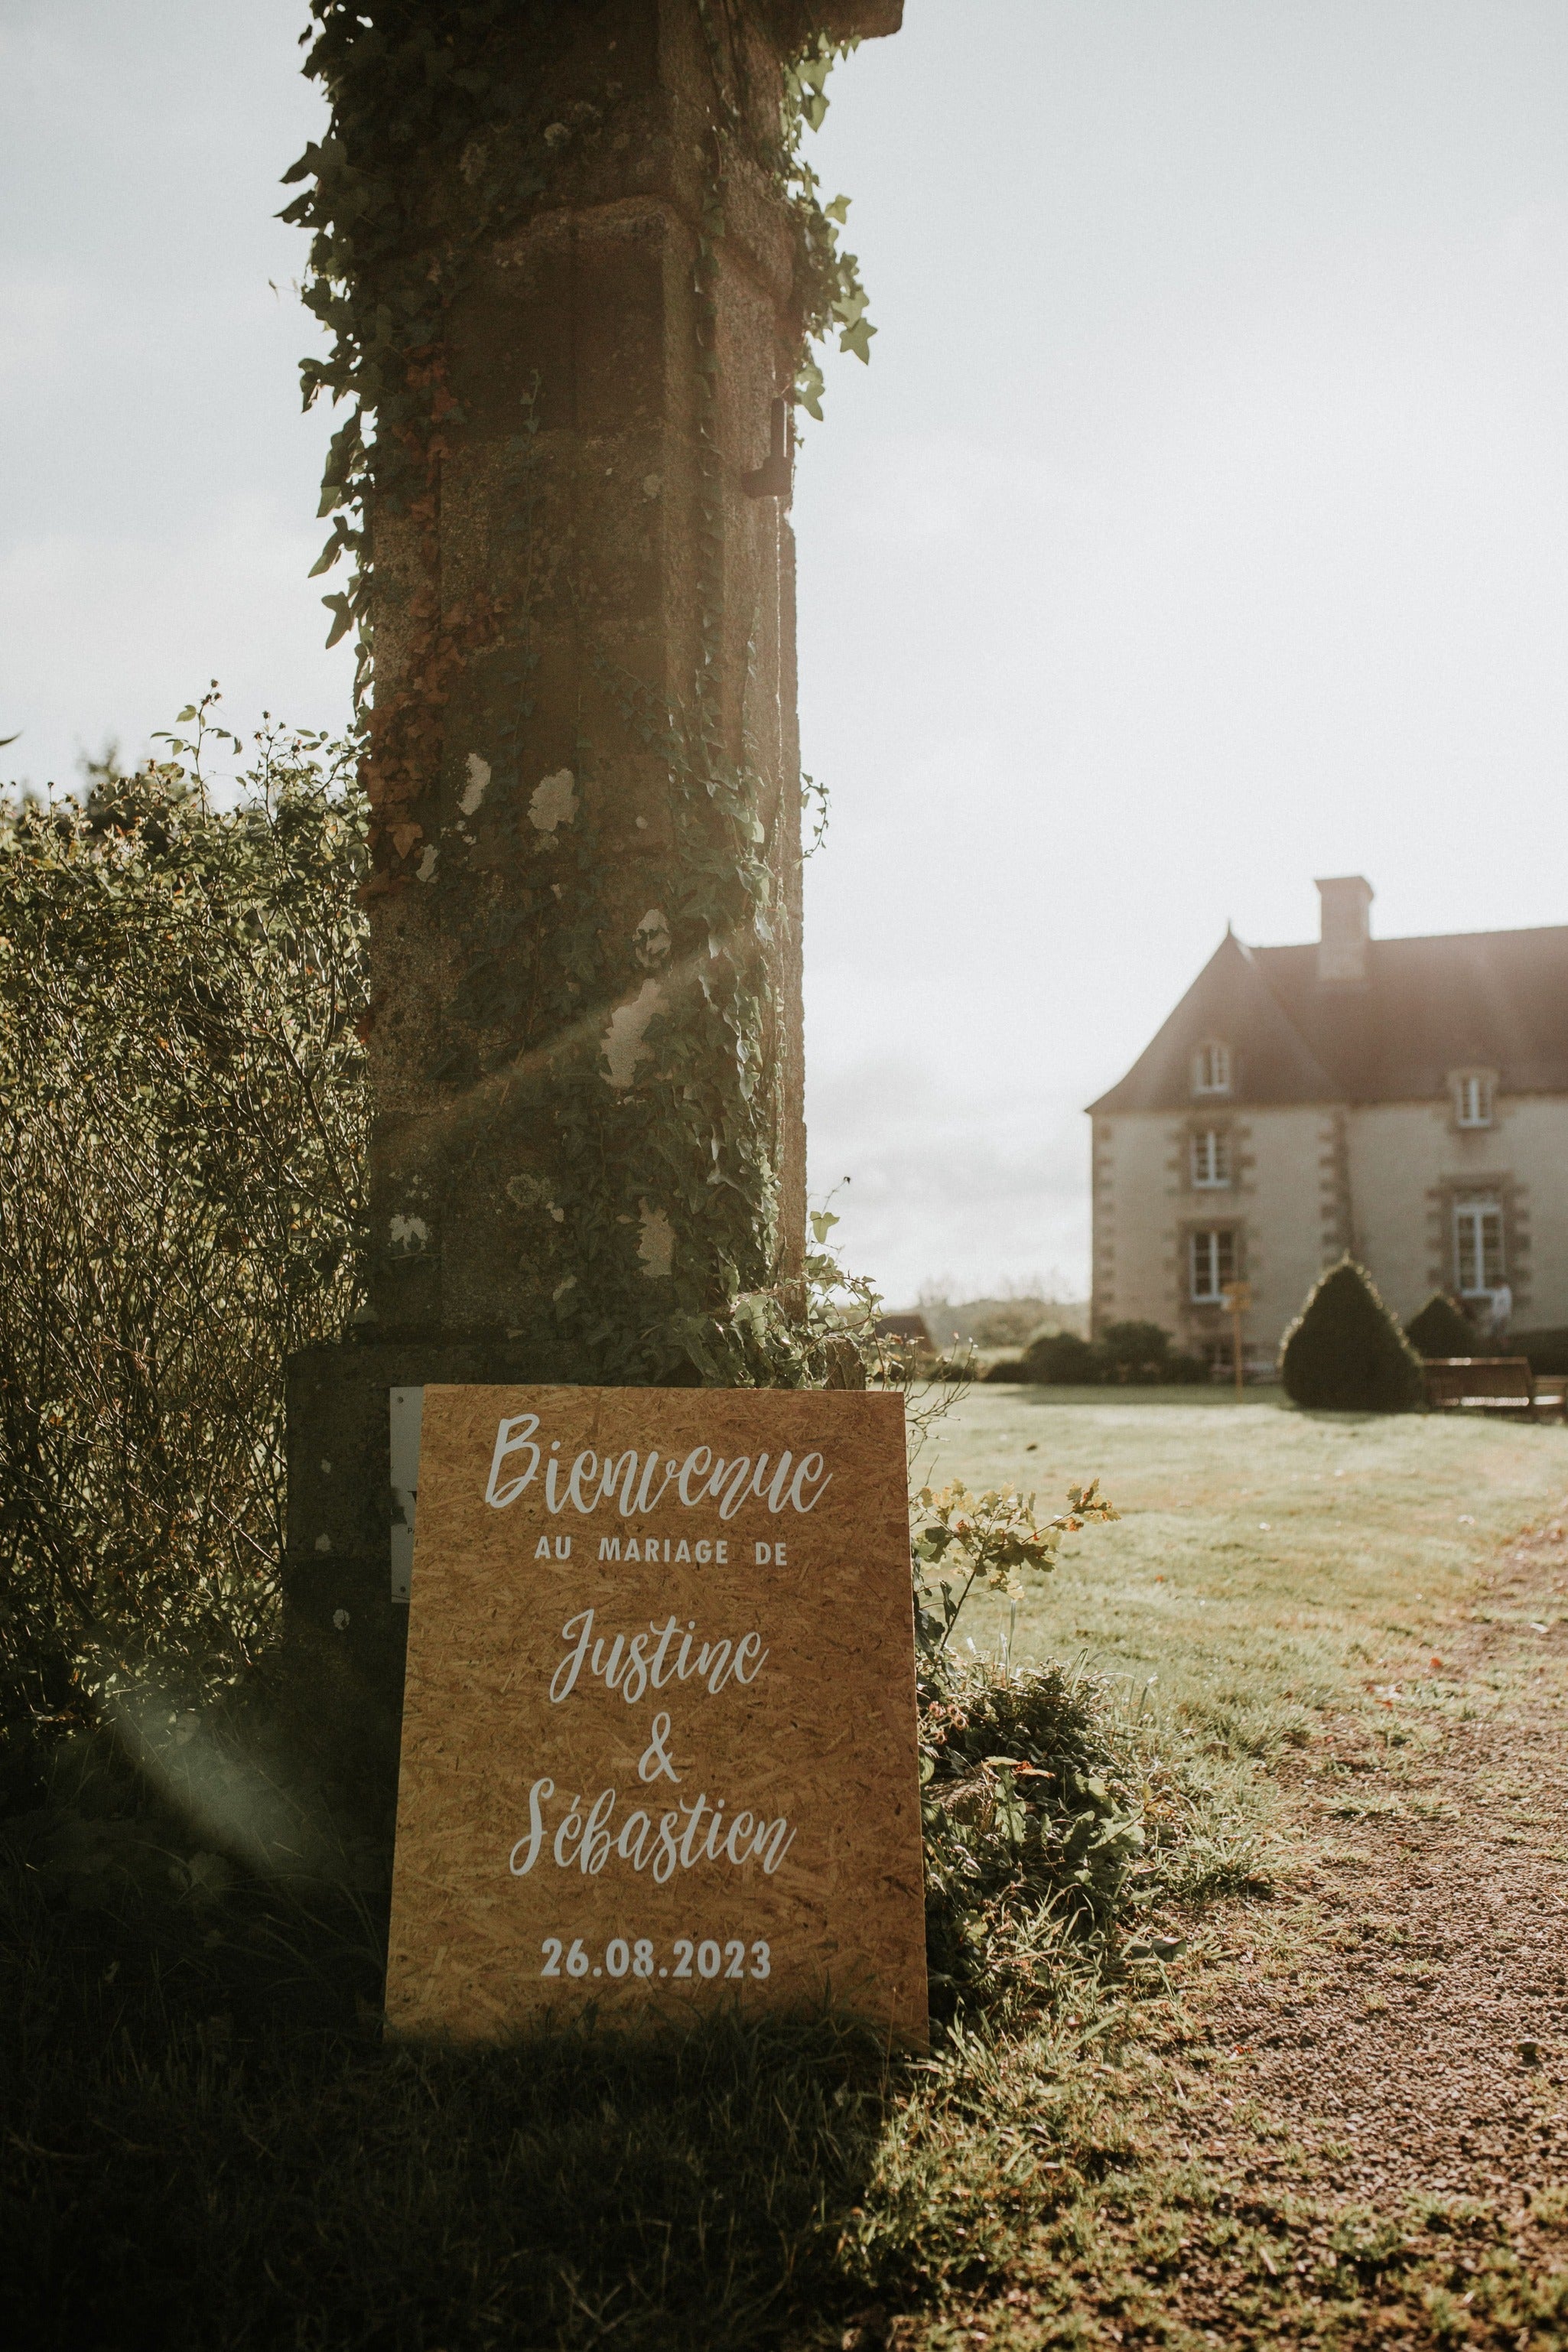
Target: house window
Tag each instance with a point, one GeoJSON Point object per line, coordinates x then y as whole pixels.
{"type": "Point", "coordinates": [1211, 1070]}
{"type": "Point", "coordinates": [1473, 1101]}
{"type": "Point", "coordinates": [1210, 1159]}
{"type": "Point", "coordinates": [1213, 1251]}
{"type": "Point", "coordinates": [1478, 1247]}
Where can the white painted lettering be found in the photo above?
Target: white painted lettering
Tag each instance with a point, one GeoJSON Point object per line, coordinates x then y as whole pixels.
{"type": "Point", "coordinates": [625, 1471]}
{"type": "Point", "coordinates": [595, 1848]}
{"type": "Point", "coordinates": [778, 1494]}
{"type": "Point", "coordinates": [572, 1666]}
{"type": "Point", "coordinates": [713, 1666]}
{"type": "Point", "coordinates": [647, 1501]}
{"type": "Point", "coordinates": [749, 1647]}
{"type": "Point", "coordinates": [634, 1849]}
{"type": "Point", "coordinates": [535, 1837]}
{"type": "Point", "coordinates": [694, 1466]}
{"type": "Point", "coordinates": [514, 1436]}
{"type": "Point", "coordinates": [810, 1473]}
{"type": "Point", "coordinates": [568, 1833]}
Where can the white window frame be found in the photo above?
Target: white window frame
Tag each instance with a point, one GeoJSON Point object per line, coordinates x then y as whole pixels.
{"type": "Point", "coordinates": [1471, 1221]}
{"type": "Point", "coordinates": [1473, 1099]}
{"type": "Point", "coordinates": [1210, 1160]}
{"type": "Point", "coordinates": [1210, 1277]}
{"type": "Point", "coordinates": [1211, 1068]}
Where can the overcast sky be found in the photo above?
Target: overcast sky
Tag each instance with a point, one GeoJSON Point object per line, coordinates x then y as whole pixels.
{"type": "Point", "coordinates": [1200, 526]}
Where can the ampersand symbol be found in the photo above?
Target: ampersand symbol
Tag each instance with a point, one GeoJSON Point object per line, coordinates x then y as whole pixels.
{"type": "Point", "coordinates": [654, 1759]}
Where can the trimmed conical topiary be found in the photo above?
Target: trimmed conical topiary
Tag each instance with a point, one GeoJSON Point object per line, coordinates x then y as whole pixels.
{"type": "Point", "coordinates": [1441, 1329]}
{"type": "Point", "coordinates": [1345, 1351]}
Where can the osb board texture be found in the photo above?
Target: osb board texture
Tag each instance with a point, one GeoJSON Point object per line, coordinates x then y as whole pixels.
{"type": "Point", "coordinates": [810, 1724]}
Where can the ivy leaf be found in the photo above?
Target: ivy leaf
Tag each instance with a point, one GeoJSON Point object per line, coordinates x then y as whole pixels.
{"type": "Point", "coordinates": [838, 210]}
{"type": "Point", "coordinates": [327, 556]}
{"type": "Point", "coordinates": [856, 338]}
{"type": "Point", "coordinates": [344, 621]}
{"type": "Point", "coordinates": [308, 163]}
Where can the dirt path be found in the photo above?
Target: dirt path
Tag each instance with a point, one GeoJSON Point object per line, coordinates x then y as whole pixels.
{"type": "Point", "coordinates": [1398, 2045]}
{"type": "Point", "coordinates": [1432, 2040]}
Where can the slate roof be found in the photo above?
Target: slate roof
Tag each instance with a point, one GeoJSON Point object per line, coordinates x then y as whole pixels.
{"type": "Point", "coordinates": [1496, 1000]}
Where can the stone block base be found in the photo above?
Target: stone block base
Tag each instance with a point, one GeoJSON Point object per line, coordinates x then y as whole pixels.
{"type": "Point", "coordinates": [343, 1633]}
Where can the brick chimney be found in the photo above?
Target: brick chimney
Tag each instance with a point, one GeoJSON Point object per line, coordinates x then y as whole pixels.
{"type": "Point", "coordinates": [1345, 929]}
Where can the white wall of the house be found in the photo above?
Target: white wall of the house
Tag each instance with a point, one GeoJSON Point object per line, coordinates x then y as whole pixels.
{"type": "Point", "coordinates": [1407, 1160]}
{"type": "Point", "coordinates": [1146, 1206]}
{"type": "Point", "coordinates": [1285, 1200]}
{"type": "Point", "coordinates": [1404, 1163]}
{"type": "Point", "coordinates": [1133, 1276]}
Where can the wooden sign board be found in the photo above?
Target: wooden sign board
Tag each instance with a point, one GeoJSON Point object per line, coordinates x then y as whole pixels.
{"type": "Point", "coordinates": [659, 1737]}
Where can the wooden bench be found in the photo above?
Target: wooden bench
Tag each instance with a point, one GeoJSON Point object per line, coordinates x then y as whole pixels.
{"type": "Point", "coordinates": [1489, 1384]}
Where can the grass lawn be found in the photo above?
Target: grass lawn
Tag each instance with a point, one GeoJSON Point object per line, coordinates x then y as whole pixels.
{"type": "Point", "coordinates": [206, 2144]}
{"type": "Point", "coordinates": [1267, 1562]}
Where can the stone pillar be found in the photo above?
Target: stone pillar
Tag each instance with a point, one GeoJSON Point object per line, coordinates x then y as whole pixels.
{"type": "Point", "coordinates": [584, 1037]}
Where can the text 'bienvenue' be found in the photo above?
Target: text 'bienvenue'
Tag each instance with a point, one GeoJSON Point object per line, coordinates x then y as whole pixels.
{"type": "Point", "coordinates": [636, 1483]}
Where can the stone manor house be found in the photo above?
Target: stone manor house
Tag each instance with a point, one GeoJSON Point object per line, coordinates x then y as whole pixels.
{"type": "Point", "coordinates": [1402, 1099]}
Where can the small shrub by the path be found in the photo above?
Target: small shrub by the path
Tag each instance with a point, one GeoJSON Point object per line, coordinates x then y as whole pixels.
{"type": "Point", "coordinates": [1345, 1351]}
{"type": "Point", "coordinates": [1138, 1355]}
{"type": "Point", "coordinates": [1440, 1330]}
{"type": "Point", "coordinates": [1032, 1828]}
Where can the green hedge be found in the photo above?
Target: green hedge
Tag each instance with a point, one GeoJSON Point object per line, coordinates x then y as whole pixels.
{"type": "Point", "coordinates": [1443, 1329]}
{"type": "Point", "coordinates": [1125, 1355]}
{"type": "Point", "coordinates": [1346, 1352]}
{"type": "Point", "coordinates": [1547, 1351]}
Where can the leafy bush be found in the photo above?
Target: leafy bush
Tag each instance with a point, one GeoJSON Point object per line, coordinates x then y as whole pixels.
{"type": "Point", "coordinates": [1442, 1328]}
{"type": "Point", "coordinates": [1134, 1351]}
{"type": "Point", "coordinates": [1060, 1358]}
{"type": "Point", "coordinates": [1026, 1816]}
{"type": "Point", "coordinates": [1346, 1352]}
{"type": "Point", "coordinates": [1138, 1354]}
{"type": "Point", "coordinates": [1028, 1832]}
{"type": "Point", "coordinates": [1143, 1353]}
{"type": "Point", "coordinates": [1547, 1351]}
{"type": "Point", "coordinates": [985, 1538]}
{"type": "Point", "coordinates": [181, 1114]}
